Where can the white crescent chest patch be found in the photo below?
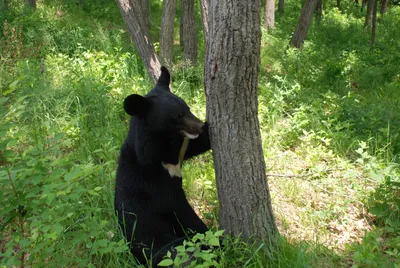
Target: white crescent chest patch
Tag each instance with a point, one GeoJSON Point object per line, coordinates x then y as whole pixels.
{"type": "Point", "coordinates": [175, 170]}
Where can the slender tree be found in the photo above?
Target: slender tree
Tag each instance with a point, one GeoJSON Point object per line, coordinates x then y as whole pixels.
{"type": "Point", "coordinates": [231, 72]}
{"type": "Point", "coordinates": [5, 5]}
{"type": "Point", "coordinates": [304, 23]}
{"type": "Point", "coordinates": [269, 18]}
{"type": "Point", "coordinates": [31, 3]}
{"type": "Point", "coordinates": [204, 18]}
{"type": "Point", "coordinates": [384, 5]}
{"type": "Point", "coordinates": [281, 6]}
{"type": "Point", "coordinates": [189, 32]}
{"type": "Point", "coordinates": [132, 14]}
{"type": "Point", "coordinates": [364, 2]}
{"type": "Point", "coordinates": [146, 11]}
{"type": "Point", "coordinates": [167, 33]}
{"type": "Point", "coordinates": [368, 15]}
{"type": "Point", "coordinates": [318, 9]}
{"type": "Point", "coordinates": [374, 12]}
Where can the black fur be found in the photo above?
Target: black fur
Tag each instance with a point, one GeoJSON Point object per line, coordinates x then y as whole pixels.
{"type": "Point", "coordinates": [152, 208]}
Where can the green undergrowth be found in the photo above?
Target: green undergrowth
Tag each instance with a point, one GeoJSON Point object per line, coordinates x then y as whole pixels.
{"type": "Point", "coordinates": [329, 123]}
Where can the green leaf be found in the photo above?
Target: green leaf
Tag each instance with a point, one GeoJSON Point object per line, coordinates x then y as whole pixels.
{"type": "Point", "coordinates": [166, 263]}
{"type": "Point", "coordinates": [219, 233]}
{"type": "Point", "coordinates": [214, 241]}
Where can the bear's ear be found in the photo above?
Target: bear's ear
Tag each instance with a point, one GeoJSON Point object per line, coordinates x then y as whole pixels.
{"type": "Point", "coordinates": [135, 105]}
{"type": "Point", "coordinates": [164, 79]}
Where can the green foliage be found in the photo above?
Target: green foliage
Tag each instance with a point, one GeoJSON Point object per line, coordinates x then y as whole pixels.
{"type": "Point", "coordinates": [200, 251]}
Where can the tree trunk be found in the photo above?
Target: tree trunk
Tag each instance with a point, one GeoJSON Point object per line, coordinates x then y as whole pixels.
{"type": "Point", "coordinates": [231, 72]}
{"type": "Point", "coordinates": [204, 4]}
{"type": "Point", "coordinates": [375, 10]}
{"type": "Point", "coordinates": [5, 5]}
{"type": "Point", "coordinates": [384, 6]}
{"type": "Point", "coordinates": [131, 13]}
{"type": "Point", "coordinates": [181, 32]}
{"type": "Point", "coordinates": [363, 3]}
{"type": "Point", "coordinates": [304, 23]}
{"type": "Point", "coordinates": [167, 33]}
{"type": "Point", "coordinates": [368, 16]}
{"type": "Point", "coordinates": [189, 32]}
{"type": "Point", "coordinates": [31, 3]}
{"type": "Point", "coordinates": [318, 10]}
{"type": "Point", "coordinates": [269, 19]}
{"type": "Point", "coordinates": [338, 4]}
{"type": "Point", "coordinates": [281, 6]}
{"type": "Point", "coordinates": [146, 12]}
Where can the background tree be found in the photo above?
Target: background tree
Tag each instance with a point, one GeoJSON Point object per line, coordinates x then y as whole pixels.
{"type": "Point", "coordinates": [269, 19]}
{"type": "Point", "coordinates": [384, 5]}
{"type": "Point", "coordinates": [368, 15]}
{"type": "Point", "coordinates": [281, 6]}
{"type": "Point", "coordinates": [5, 5]}
{"type": "Point", "coordinates": [131, 12]}
{"type": "Point", "coordinates": [189, 32]}
{"type": "Point", "coordinates": [146, 11]}
{"type": "Point", "coordinates": [204, 4]}
{"type": "Point", "coordinates": [374, 13]}
{"type": "Point", "coordinates": [231, 72]}
{"type": "Point", "coordinates": [31, 3]}
{"type": "Point", "coordinates": [304, 23]}
{"type": "Point", "coordinates": [318, 10]}
{"type": "Point", "coordinates": [167, 33]}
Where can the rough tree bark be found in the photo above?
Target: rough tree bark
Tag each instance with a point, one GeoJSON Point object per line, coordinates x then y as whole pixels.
{"type": "Point", "coordinates": [189, 32]}
{"type": "Point", "coordinates": [304, 23]}
{"type": "Point", "coordinates": [281, 6]}
{"type": "Point", "coordinates": [231, 72]}
{"type": "Point", "coordinates": [269, 19]}
{"type": "Point", "coordinates": [204, 18]}
{"type": "Point", "coordinates": [5, 5]}
{"type": "Point", "coordinates": [131, 13]}
{"type": "Point", "coordinates": [146, 11]}
{"type": "Point", "coordinates": [374, 11]}
{"type": "Point", "coordinates": [384, 6]}
{"type": "Point", "coordinates": [167, 33]}
{"type": "Point", "coordinates": [318, 10]}
{"type": "Point", "coordinates": [368, 16]}
{"type": "Point", "coordinates": [31, 3]}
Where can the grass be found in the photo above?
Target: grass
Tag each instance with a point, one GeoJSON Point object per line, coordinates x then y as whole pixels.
{"type": "Point", "coordinates": [329, 123]}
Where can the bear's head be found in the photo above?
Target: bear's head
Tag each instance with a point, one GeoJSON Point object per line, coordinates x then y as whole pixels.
{"type": "Point", "coordinates": [162, 111]}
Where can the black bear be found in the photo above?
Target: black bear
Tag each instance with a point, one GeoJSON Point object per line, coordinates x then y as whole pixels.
{"type": "Point", "coordinates": [151, 205]}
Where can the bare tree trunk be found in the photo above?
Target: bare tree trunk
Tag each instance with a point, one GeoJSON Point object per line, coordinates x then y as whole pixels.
{"type": "Point", "coordinates": [304, 23]}
{"type": "Point", "coordinates": [269, 19]}
{"type": "Point", "coordinates": [231, 72]}
{"type": "Point", "coordinates": [5, 5]}
{"type": "Point", "coordinates": [364, 2]}
{"type": "Point", "coordinates": [375, 10]}
{"type": "Point", "coordinates": [204, 4]}
{"type": "Point", "coordinates": [131, 13]}
{"type": "Point", "coordinates": [368, 16]}
{"type": "Point", "coordinates": [281, 6]}
{"type": "Point", "coordinates": [31, 3]}
{"type": "Point", "coordinates": [384, 6]}
{"type": "Point", "coordinates": [318, 9]}
{"type": "Point", "coordinates": [189, 32]}
{"type": "Point", "coordinates": [146, 12]}
{"type": "Point", "coordinates": [167, 33]}
{"type": "Point", "coordinates": [181, 32]}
